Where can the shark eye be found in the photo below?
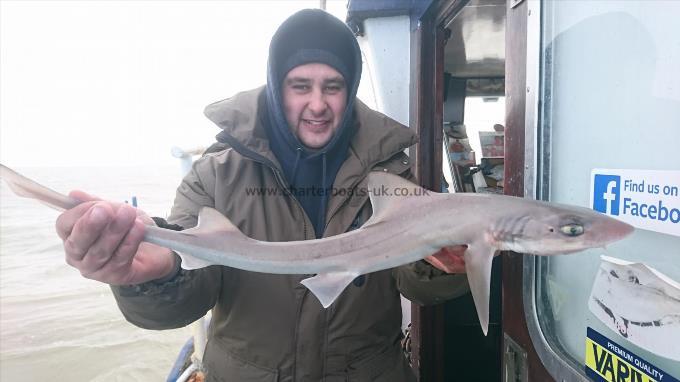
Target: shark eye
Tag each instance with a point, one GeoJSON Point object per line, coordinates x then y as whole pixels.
{"type": "Point", "coordinates": [572, 229]}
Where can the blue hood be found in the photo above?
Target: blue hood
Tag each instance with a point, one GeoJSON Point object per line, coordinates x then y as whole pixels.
{"type": "Point", "coordinates": [311, 35]}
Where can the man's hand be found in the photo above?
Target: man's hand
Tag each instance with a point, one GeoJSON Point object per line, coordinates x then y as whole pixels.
{"type": "Point", "coordinates": [103, 240]}
{"type": "Point", "coordinates": [449, 259]}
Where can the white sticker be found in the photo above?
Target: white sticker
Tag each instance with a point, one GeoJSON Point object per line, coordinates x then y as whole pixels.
{"type": "Point", "coordinates": [639, 303]}
{"type": "Point", "coordinates": [647, 199]}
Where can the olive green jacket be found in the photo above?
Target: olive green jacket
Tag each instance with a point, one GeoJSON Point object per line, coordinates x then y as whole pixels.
{"type": "Point", "coordinates": [268, 327]}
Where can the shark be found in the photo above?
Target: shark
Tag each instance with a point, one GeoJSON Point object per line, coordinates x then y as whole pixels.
{"type": "Point", "coordinates": [408, 224]}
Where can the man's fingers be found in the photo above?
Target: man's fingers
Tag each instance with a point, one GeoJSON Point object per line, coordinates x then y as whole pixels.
{"type": "Point", "coordinates": [436, 262]}
{"type": "Point", "coordinates": [445, 265]}
{"type": "Point", "coordinates": [106, 244]}
{"type": "Point", "coordinates": [68, 219]}
{"type": "Point", "coordinates": [449, 259]}
{"type": "Point", "coordinates": [457, 250]}
{"type": "Point", "coordinates": [86, 231]}
{"type": "Point", "coordinates": [125, 253]}
{"type": "Point", "coordinates": [102, 240]}
{"type": "Point", "coordinates": [82, 196]}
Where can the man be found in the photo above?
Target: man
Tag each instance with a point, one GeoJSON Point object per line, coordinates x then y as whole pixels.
{"type": "Point", "coordinates": [304, 135]}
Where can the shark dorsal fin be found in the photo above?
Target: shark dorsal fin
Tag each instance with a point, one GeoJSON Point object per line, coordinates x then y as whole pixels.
{"type": "Point", "coordinates": [386, 191]}
{"type": "Point", "coordinates": [211, 220]}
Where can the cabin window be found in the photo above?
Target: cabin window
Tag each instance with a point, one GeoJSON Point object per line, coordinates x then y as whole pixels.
{"type": "Point", "coordinates": [475, 145]}
{"type": "Point", "coordinates": [610, 99]}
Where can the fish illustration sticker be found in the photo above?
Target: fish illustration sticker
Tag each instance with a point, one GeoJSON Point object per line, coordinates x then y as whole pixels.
{"type": "Point", "coordinates": [639, 303]}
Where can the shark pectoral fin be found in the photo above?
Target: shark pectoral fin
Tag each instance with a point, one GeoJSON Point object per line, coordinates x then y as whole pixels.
{"type": "Point", "coordinates": [190, 262]}
{"type": "Point", "coordinates": [478, 260]}
{"type": "Point", "coordinates": [328, 286]}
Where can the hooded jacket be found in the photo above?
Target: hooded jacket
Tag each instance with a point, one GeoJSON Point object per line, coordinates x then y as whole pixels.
{"type": "Point", "coordinates": [269, 327]}
{"type": "Point", "coordinates": [311, 35]}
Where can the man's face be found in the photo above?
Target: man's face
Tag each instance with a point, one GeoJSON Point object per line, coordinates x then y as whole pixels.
{"type": "Point", "coordinates": [314, 100]}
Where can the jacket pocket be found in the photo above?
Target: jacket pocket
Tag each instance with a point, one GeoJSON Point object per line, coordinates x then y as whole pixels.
{"type": "Point", "coordinates": [231, 368]}
{"type": "Point", "coordinates": [388, 366]}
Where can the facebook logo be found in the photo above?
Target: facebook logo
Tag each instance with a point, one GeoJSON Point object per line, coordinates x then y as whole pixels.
{"type": "Point", "coordinates": [607, 194]}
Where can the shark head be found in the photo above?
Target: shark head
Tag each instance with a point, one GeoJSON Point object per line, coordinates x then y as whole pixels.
{"type": "Point", "coordinates": [553, 229]}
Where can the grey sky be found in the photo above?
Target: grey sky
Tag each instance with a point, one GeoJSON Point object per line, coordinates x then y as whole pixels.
{"type": "Point", "coordinates": [120, 83]}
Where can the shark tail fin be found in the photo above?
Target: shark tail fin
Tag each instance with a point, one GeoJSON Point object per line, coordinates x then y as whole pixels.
{"type": "Point", "coordinates": [478, 261]}
{"type": "Point", "coordinates": [328, 286]}
{"type": "Point", "coordinates": [27, 188]}
{"type": "Point", "coordinates": [210, 220]}
{"type": "Point", "coordinates": [387, 192]}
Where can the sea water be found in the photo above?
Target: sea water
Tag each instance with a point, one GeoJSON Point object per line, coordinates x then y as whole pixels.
{"type": "Point", "coordinates": [56, 325]}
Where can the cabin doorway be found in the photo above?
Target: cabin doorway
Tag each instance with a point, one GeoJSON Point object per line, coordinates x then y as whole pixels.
{"type": "Point", "coordinates": [473, 128]}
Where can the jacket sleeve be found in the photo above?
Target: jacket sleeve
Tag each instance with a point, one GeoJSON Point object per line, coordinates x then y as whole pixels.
{"type": "Point", "coordinates": [187, 296]}
{"type": "Point", "coordinates": [424, 284]}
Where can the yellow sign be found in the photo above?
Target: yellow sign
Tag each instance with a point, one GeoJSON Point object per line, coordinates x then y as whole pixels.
{"type": "Point", "coordinates": [606, 361]}
{"type": "Point", "coordinates": [610, 366]}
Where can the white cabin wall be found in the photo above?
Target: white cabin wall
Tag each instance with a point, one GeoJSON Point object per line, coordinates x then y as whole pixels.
{"type": "Point", "coordinates": [386, 73]}
{"type": "Point", "coordinates": [385, 84]}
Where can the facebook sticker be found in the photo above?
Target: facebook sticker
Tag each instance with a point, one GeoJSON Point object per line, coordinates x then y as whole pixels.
{"type": "Point", "coordinates": [607, 194]}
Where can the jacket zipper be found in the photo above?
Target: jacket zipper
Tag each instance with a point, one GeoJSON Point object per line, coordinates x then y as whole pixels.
{"type": "Point", "coordinates": [254, 156]}
{"type": "Point", "coordinates": [250, 154]}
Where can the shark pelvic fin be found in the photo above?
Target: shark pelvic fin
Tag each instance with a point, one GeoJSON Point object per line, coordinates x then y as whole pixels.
{"type": "Point", "coordinates": [328, 286]}
{"type": "Point", "coordinates": [478, 261]}
{"type": "Point", "coordinates": [190, 262]}
{"type": "Point", "coordinates": [385, 191]}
